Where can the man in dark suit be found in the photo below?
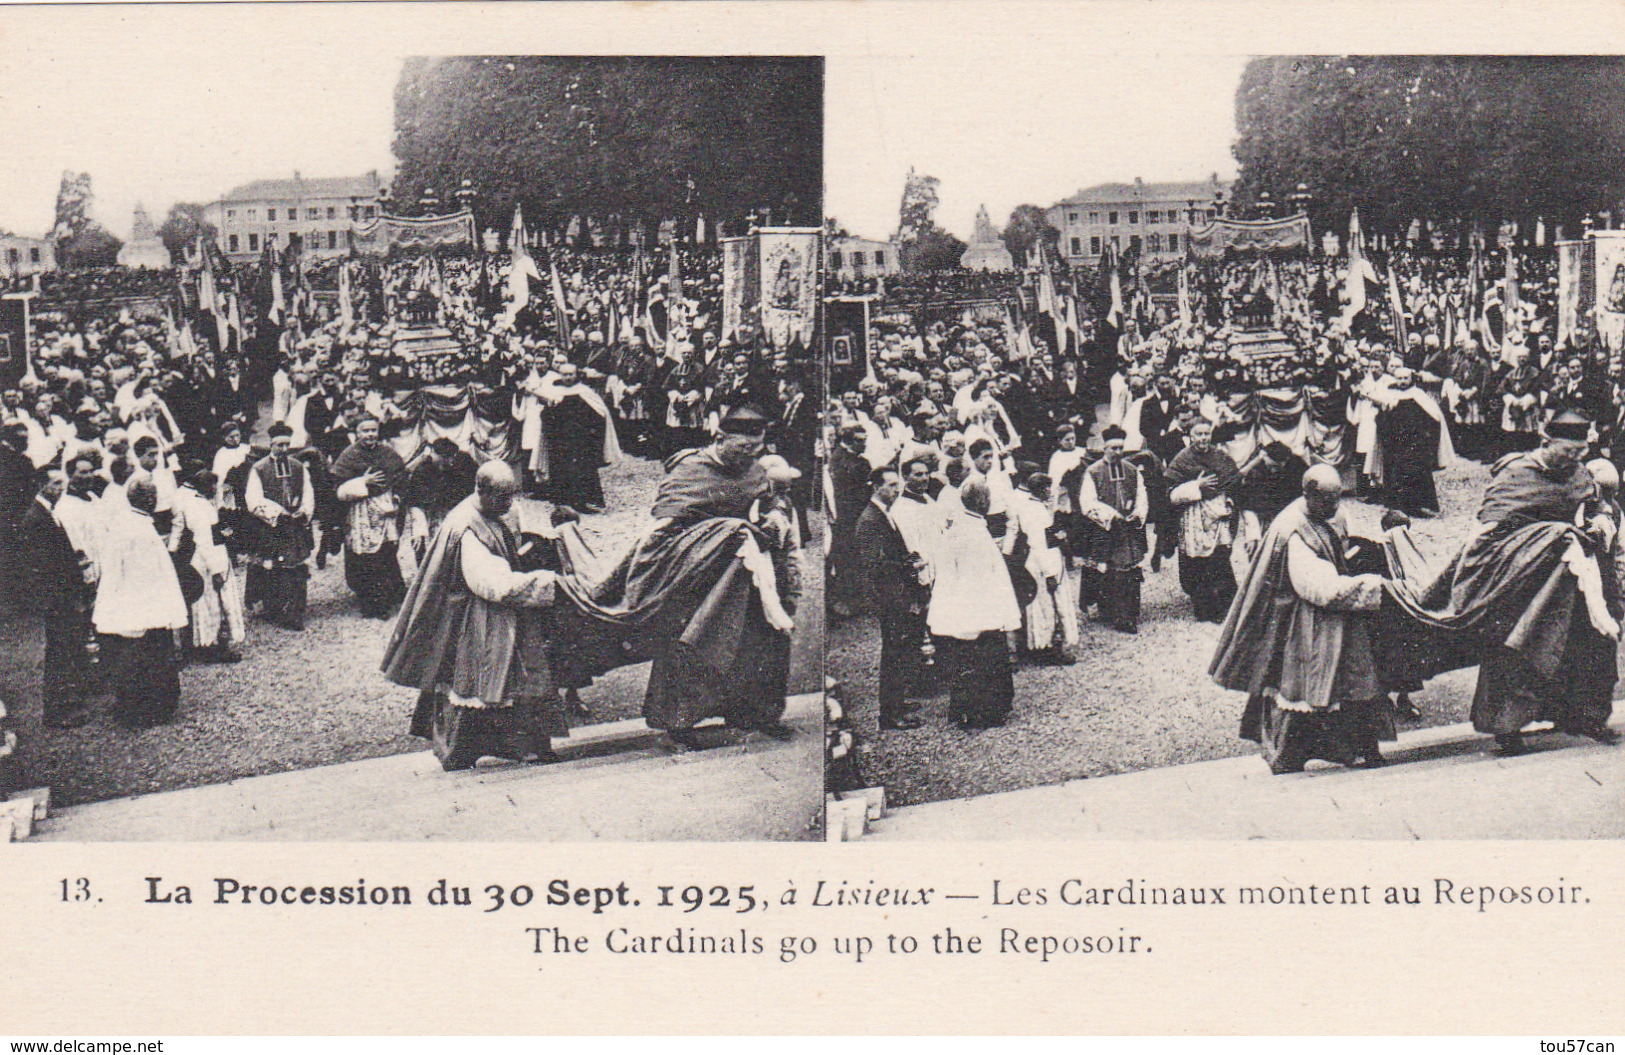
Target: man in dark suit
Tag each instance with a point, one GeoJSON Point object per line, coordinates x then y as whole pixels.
{"type": "Point", "coordinates": [1069, 399]}
{"type": "Point", "coordinates": [794, 438]}
{"type": "Point", "coordinates": [51, 570]}
{"type": "Point", "coordinates": [19, 481]}
{"type": "Point", "coordinates": [849, 473]}
{"type": "Point", "coordinates": [891, 582]}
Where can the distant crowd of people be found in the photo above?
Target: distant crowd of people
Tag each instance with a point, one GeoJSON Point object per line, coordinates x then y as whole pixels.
{"type": "Point", "coordinates": [997, 479]}
{"type": "Point", "coordinates": [245, 454]}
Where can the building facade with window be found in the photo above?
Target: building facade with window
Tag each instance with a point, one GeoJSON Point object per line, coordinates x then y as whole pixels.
{"type": "Point", "coordinates": [323, 213]}
{"type": "Point", "coordinates": [851, 259]}
{"type": "Point", "coordinates": [1157, 217]}
{"type": "Point", "coordinates": [22, 257]}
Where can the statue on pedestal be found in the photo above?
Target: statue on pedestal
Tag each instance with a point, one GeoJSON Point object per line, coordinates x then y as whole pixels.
{"type": "Point", "coordinates": [145, 248]}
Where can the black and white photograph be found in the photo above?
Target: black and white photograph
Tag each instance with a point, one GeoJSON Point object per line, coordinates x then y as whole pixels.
{"type": "Point", "coordinates": [413, 447]}
{"type": "Point", "coordinates": [1227, 447]}
{"type": "Point", "coordinates": [794, 518]}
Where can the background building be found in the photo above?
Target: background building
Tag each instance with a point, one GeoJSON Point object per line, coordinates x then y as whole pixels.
{"type": "Point", "coordinates": [1157, 217]}
{"type": "Point", "coordinates": [324, 213]}
{"type": "Point", "coordinates": [854, 259]}
{"type": "Point", "coordinates": [25, 256]}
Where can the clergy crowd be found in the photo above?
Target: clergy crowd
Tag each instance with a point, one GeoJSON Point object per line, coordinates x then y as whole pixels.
{"type": "Point", "coordinates": [998, 478]}
{"type": "Point", "coordinates": [165, 479]}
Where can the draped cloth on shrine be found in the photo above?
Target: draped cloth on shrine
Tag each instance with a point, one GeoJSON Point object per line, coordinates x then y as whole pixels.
{"type": "Point", "coordinates": [1290, 234]}
{"type": "Point", "coordinates": [473, 416]}
{"type": "Point", "coordinates": [415, 232]}
{"type": "Point", "coordinates": [1311, 421]}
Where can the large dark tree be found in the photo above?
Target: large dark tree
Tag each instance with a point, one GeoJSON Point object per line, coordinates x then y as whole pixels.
{"type": "Point", "coordinates": [80, 240]}
{"type": "Point", "coordinates": [936, 250]}
{"type": "Point", "coordinates": [1029, 226]}
{"type": "Point", "coordinates": [1450, 140]}
{"type": "Point", "coordinates": [922, 245]}
{"type": "Point", "coordinates": [625, 141]}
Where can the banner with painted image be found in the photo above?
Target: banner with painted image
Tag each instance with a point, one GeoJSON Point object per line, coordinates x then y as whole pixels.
{"type": "Point", "coordinates": [1610, 302]}
{"type": "Point", "coordinates": [739, 290]}
{"type": "Point", "coordinates": [789, 282]}
{"type": "Point", "coordinates": [846, 325]}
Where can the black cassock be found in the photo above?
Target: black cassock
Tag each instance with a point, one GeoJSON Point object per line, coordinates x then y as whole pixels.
{"type": "Point", "coordinates": [1410, 452]}
{"type": "Point", "coordinates": [575, 450]}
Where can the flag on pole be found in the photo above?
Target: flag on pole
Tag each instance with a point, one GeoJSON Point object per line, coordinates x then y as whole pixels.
{"type": "Point", "coordinates": [562, 324]}
{"type": "Point", "coordinates": [172, 333]}
{"type": "Point", "coordinates": [1184, 299]}
{"type": "Point", "coordinates": [1360, 270]}
{"type": "Point", "coordinates": [279, 306]}
{"type": "Point", "coordinates": [1072, 326]}
{"type": "Point", "coordinates": [1475, 279]}
{"type": "Point", "coordinates": [346, 307]}
{"type": "Point", "coordinates": [1114, 314]}
{"type": "Point", "coordinates": [209, 296]}
{"type": "Point", "coordinates": [674, 300]}
{"type": "Point", "coordinates": [234, 316]}
{"type": "Point", "coordinates": [185, 342]}
{"type": "Point", "coordinates": [1511, 300]}
{"type": "Point", "coordinates": [1396, 308]}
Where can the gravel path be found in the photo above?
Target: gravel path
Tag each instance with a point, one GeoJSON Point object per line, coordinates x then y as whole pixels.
{"type": "Point", "coordinates": [1131, 702]}
{"type": "Point", "coordinates": [297, 700]}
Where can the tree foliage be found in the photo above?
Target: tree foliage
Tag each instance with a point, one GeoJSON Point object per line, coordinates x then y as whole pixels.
{"type": "Point", "coordinates": [623, 140]}
{"type": "Point", "coordinates": [1449, 140]}
{"type": "Point", "coordinates": [1029, 226]}
{"type": "Point", "coordinates": [922, 245]}
{"type": "Point", "coordinates": [95, 246]}
{"type": "Point", "coordinates": [915, 215]}
{"type": "Point", "coordinates": [73, 201]}
{"type": "Point", "coordinates": [80, 240]}
{"type": "Point", "coordinates": [936, 250]}
{"type": "Point", "coordinates": [183, 227]}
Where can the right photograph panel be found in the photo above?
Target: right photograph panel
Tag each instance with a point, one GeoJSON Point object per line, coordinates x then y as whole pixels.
{"type": "Point", "coordinates": [1232, 460]}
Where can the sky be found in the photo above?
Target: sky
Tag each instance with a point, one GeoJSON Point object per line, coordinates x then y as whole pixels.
{"type": "Point", "coordinates": [160, 117]}
{"type": "Point", "coordinates": [165, 105]}
{"type": "Point", "coordinates": [1029, 129]}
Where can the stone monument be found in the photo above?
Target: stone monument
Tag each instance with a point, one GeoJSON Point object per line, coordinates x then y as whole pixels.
{"type": "Point", "coordinates": [986, 251]}
{"type": "Point", "coordinates": [145, 248]}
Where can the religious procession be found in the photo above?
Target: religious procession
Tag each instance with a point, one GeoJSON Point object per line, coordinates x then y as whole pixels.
{"type": "Point", "coordinates": [1167, 472]}
{"type": "Point", "coordinates": [335, 469]}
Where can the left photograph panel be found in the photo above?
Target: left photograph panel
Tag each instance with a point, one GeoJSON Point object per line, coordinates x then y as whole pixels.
{"type": "Point", "coordinates": [418, 453]}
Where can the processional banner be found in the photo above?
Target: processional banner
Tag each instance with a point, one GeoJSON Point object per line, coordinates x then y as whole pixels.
{"type": "Point", "coordinates": [1570, 257]}
{"type": "Point", "coordinates": [739, 292]}
{"type": "Point", "coordinates": [1289, 235]}
{"type": "Point", "coordinates": [789, 282]}
{"type": "Point", "coordinates": [1610, 287]}
{"type": "Point", "coordinates": [415, 232]}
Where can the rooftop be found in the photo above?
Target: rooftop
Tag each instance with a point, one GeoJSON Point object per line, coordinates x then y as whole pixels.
{"type": "Point", "coordinates": [366, 186]}
{"type": "Point", "coordinates": [1139, 190]}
